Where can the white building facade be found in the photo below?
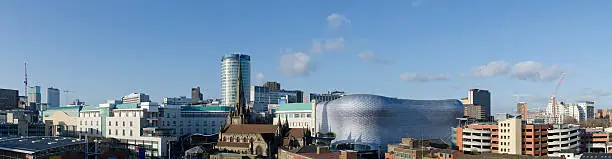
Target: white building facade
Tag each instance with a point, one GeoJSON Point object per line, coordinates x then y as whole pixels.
{"type": "Point", "coordinates": [135, 98]}
{"type": "Point", "coordinates": [298, 115]}
{"type": "Point", "coordinates": [177, 101]}
{"type": "Point", "coordinates": [580, 111]}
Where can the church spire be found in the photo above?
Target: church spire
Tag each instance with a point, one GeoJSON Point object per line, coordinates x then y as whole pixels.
{"type": "Point", "coordinates": [240, 115]}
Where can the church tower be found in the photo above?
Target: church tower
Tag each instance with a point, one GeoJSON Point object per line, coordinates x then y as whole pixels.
{"type": "Point", "coordinates": [241, 113]}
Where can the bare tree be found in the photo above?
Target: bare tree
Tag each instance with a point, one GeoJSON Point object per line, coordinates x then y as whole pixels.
{"type": "Point", "coordinates": [569, 120]}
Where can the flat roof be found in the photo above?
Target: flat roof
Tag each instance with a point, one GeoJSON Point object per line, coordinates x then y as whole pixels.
{"type": "Point", "coordinates": [30, 145]}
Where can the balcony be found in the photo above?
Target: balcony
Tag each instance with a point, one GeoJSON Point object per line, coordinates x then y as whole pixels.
{"type": "Point", "coordinates": [473, 149]}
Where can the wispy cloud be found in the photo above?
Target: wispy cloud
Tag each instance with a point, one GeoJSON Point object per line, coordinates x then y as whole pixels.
{"type": "Point", "coordinates": [295, 64]}
{"type": "Point", "coordinates": [370, 57]}
{"type": "Point", "coordinates": [335, 21]}
{"type": "Point", "coordinates": [533, 71]}
{"type": "Point", "coordinates": [493, 68]}
{"type": "Point", "coordinates": [416, 3]}
{"type": "Point", "coordinates": [526, 70]}
{"type": "Point", "coordinates": [335, 44]}
{"type": "Point", "coordinates": [421, 77]}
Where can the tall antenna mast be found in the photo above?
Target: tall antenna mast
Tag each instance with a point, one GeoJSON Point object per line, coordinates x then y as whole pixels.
{"type": "Point", "coordinates": [25, 82]}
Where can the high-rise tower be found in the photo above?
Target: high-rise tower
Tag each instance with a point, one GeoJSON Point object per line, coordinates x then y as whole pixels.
{"type": "Point", "coordinates": [229, 77]}
{"type": "Point", "coordinates": [241, 112]}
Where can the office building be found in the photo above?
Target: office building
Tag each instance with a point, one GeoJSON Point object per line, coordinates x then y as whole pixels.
{"type": "Point", "coordinates": [34, 98]}
{"type": "Point", "coordinates": [510, 136]}
{"type": "Point", "coordinates": [372, 122]}
{"type": "Point", "coordinates": [479, 97]}
{"type": "Point", "coordinates": [297, 115]}
{"type": "Point", "coordinates": [275, 86]}
{"type": "Point", "coordinates": [261, 97]}
{"type": "Point", "coordinates": [521, 108]}
{"type": "Point", "coordinates": [230, 64]}
{"type": "Point", "coordinates": [53, 97]}
{"type": "Point", "coordinates": [475, 111]}
{"type": "Point", "coordinates": [135, 98]}
{"type": "Point", "coordinates": [196, 95]}
{"type": "Point", "coordinates": [177, 101]}
{"type": "Point", "coordinates": [329, 96]}
{"type": "Point", "coordinates": [9, 99]}
{"type": "Point", "coordinates": [588, 109]}
{"type": "Point", "coordinates": [144, 124]}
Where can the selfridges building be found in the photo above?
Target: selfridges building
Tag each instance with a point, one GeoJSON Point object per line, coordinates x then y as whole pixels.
{"type": "Point", "coordinates": [371, 122]}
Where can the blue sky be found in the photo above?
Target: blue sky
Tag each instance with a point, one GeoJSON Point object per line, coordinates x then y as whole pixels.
{"type": "Point", "coordinates": [424, 49]}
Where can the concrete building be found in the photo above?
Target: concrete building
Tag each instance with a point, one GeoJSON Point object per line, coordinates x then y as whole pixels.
{"type": "Point", "coordinates": [411, 148]}
{"type": "Point", "coordinates": [261, 97]}
{"type": "Point", "coordinates": [475, 111]}
{"type": "Point", "coordinates": [275, 86]}
{"type": "Point", "coordinates": [521, 108]}
{"type": "Point", "coordinates": [579, 111]}
{"type": "Point", "coordinates": [9, 99]}
{"type": "Point", "coordinates": [229, 76]}
{"type": "Point", "coordinates": [53, 97]}
{"type": "Point", "coordinates": [588, 109]}
{"type": "Point", "coordinates": [563, 137]}
{"type": "Point", "coordinates": [135, 98]}
{"type": "Point", "coordinates": [323, 97]}
{"type": "Point", "coordinates": [143, 124]}
{"type": "Point", "coordinates": [177, 101]}
{"type": "Point", "coordinates": [196, 95]}
{"type": "Point", "coordinates": [595, 141]}
{"type": "Point", "coordinates": [34, 98]}
{"type": "Point", "coordinates": [477, 104]}
{"type": "Point", "coordinates": [510, 136]}
{"type": "Point", "coordinates": [298, 115]}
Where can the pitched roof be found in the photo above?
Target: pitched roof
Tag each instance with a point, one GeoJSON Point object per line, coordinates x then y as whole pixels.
{"type": "Point", "coordinates": [251, 128]}
{"type": "Point", "coordinates": [295, 107]}
{"type": "Point", "coordinates": [206, 108]}
{"type": "Point", "coordinates": [297, 132]}
{"type": "Point", "coordinates": [234, 144]}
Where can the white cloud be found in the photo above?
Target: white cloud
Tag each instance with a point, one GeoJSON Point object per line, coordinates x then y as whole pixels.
{"type": "Point", "coordinates": [420, 77]}
{"type": "Point", "coordinates": [533, 71]}
{"type": "Point", "coordinates": [334, 21]}
{"type": "Point", "coordinates": [295, 64]}
{"type": "Point", "coordinates": [370, 57]}
{"type": "Point", "coordinates": [493, 68]}
{"type": "Point", "coordinates": [336, 44]}
{"type": "Point", "coordinates": [259, 77]}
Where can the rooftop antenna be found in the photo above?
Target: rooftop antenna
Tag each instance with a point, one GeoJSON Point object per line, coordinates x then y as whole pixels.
{"type": "Point", "coordinates": [25, 81]}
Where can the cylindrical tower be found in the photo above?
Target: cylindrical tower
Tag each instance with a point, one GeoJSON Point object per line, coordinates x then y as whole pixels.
{"type": "Point", "coordinates": [229, 77]}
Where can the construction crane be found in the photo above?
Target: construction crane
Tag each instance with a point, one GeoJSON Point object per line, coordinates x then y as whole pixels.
{"type": "Point", "coordinates": [553, 98]}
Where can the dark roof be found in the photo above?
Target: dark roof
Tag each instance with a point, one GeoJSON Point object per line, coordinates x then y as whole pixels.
{"type": "Point", "coordinates": [297, 132]}
{"type": "Point", "coordinates": [30, 145]}
{"type": "Point", "coordinates": [596, 156]}
{"type": "Point", "coordinates": [447, 151]}
{"type": "Point", "coordinates": [251, 128]}
{"type": "Point", "coordinates": [303, 149]}
{"type": "Point", "coordinates": [234, 144]}
{"type": "Point", "coordinates": [329, 155]}
{"type": "Point", "coordinates": [195, 150]}
{"type": "Point", "coordinates": [501, 156]}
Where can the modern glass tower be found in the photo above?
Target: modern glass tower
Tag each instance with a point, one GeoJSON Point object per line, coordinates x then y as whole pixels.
{"type": "Point", "coordinates": [53, 97]}
{"type": "Point", "coordinates": [229, 77]}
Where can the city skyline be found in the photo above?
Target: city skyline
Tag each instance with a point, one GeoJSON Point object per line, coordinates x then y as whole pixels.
{"type": "Point", "coordinates": [411, 49]}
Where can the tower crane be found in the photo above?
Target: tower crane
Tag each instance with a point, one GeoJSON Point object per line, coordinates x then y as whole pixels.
{"type": "Point", "coordinates": [66, 95]}
{"type": "Point", "coordinates": [553, 98]}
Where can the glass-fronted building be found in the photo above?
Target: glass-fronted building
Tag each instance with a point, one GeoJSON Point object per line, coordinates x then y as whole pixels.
{"type": "Point", "coordinates": [371, 122]}
{"type": "Point", "coordinates": [229, 77]}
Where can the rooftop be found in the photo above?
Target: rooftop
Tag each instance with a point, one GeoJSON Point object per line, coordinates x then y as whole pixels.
{"type": "Point", "coordinates": [251, 128]}
{"type": "Point", "coordinates": [30, 145]}
{"type": "Point", "coordinates": [206, 108]}
{"type": "Point", "coordinates": [501, 156]}
{"type": "Point", "coordinates": [127, 106]}
{"type": "Point", "coordinates": [295, 107]}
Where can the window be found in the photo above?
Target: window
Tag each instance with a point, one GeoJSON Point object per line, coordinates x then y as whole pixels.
{"type": "Point", "coordinates": [116, 123]}
{"type": "Point", "coordinates": [130, 132]}
{"type": "Point", "coordinates": [124, 124]}
{"type": "Point", "coordinates": [81, 123]}
{"type": "Point", "coordinates": [97, 123]}
{"type": "Point", "coordinates": [116, 132]}
{"type": "Point", "coordinates": [109, 123]}
{"type": "Point", "coordinates": [110, 132]}
{"type": "Point", "coordinates": [123, 132]}
{"type": "Point", "coordinates": [131, 123]}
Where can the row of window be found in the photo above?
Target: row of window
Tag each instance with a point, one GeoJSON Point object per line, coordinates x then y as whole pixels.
{"type": "Point", "coordinates": [297, 115]}
{"type": "Point", "coordinates": [110, 132]}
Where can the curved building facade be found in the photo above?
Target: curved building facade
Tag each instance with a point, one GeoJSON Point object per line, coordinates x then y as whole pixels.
{"type": "Point", "coordinates": [229, 77]}
{"type": "Point", "coordinates": [371, 122]}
